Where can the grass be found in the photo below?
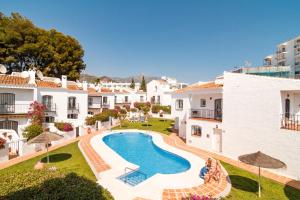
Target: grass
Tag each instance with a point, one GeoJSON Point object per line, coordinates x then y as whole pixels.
{"type": "Point", "coordinates": [154, 124]}
{"type": "Point", "coordinates": [245, 186]}
{"type": "Point", "coordinates": [68, 159]}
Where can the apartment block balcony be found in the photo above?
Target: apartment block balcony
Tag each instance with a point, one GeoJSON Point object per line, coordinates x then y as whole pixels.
{"type": "Point", "coordinates": [206, 114]}
{"type": "Point", "coordinates": [290, 122]}
{"type": "Point", "coordinates": [122, 102]}
{"type": "Point", "coordinates": [14, 108]}
{"type": "Point", "coordinates": [72, 107]}
{"type": "Point", "coordinates": [50, 108]}
{"type": "Point", "coordinates": [105, 105]}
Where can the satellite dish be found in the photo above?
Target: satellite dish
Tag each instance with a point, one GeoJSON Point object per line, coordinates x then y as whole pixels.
{"type": "Point", "coordinates": [2, 69]}
{"type": "Point", "coordinates": [39, 74]}
{"type": "Point", "coordinates": [25, 74]}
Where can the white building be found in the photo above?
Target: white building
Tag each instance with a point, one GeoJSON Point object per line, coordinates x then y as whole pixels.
{"type": "Point", "coordinates": [116, 85]}
{"type": "Point", "coordinates": [287, 54]}
{"type": "Point", "coordinates": [242, 114]}
{"type": "Point", "coordinates": [159, 91]}
{"type": "Point", "coordinates": [65, 101]}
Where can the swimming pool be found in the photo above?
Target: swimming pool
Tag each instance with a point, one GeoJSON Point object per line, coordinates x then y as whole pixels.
{"type": "Point", "coordinates": [139, 149]}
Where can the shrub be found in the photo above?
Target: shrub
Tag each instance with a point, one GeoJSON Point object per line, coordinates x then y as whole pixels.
{"type": "Point", "coordinates": [157, 108]}
{"type": "Point", "coordinates": [45, 184]}
{"type": "Point", "coordinates": [63, 126]}
{"type": "Point", "coordinates": [123, 111]}
{"type": "Point", "coordinates": [117, 108]}
{"type": "Point", "coordinates": [90, 120]}
{"type": "Point", "coordinates": [103, 117]}
{"type": "Point", "coordinates": [36, 113]}
{"type": "Point", "coordinates": [127, 107]}
{"type": "Point", "coordinates": [141, 105]}
{"type": "Point", "coordinates": [32, 131]}
{"type": "Point", "coordinates": [2, 143]}
{"type": "Point", "coordinates": [133, 110]}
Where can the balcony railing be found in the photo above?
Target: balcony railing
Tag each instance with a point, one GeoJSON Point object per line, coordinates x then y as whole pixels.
{"type": "Point", "coordinates": [122, 102]}
{"type": "Point", "coordinates": [207, 114]}
{"type": "Point", "coordinates": [73, 107]}
{"type": "Point", "coordinates": [290, 122]}
{"type": "Point", "coordinates": [50, 108]}
{"type": "Point", "coordinates": [14, 108]}
{"type": "Point", "coordinates": [105, 105]}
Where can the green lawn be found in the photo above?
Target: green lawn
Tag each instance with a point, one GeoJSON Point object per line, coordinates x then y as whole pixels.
{"type": "Point", "coordinates": [67, 159]}
{"type": "Point", "coordinates": [154, 124]}
{"type": "Point", "coordinates": [244, 186]}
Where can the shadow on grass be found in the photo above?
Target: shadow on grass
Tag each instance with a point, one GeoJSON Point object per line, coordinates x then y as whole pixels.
{"type": "Point", "coordinates": [290, 192]}
{"type": "Point", "coordinates": [146, 125]}
{"type": "Point", "coordinates": [57, 157]}
{"type": "Point", "coordinates": [70, 186]}
{"type": "Point", "coordinates": [244, 183]}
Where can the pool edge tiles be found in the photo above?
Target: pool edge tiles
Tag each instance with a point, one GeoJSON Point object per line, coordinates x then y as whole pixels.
{"type": "Point", "coordinates": [152, 187]}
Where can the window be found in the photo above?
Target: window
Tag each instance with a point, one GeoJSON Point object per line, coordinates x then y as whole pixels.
{"type": "Point", "coordinates": [72, 116]}
{"type": "Point", "coordinates": [7, 103]}
{"type": "Point", "coordinates": [196, 130]}
{"type": "Point", "coordinates": [158, 99]}
{"type": "Point", "coordinates": [104, 100]}
{"type": "Point", "coordinates": [202, 103]}
{"type": "Point", "coordinates": [49, 119]}
{"type": "Point", "coordinates": [115, 99]}
{"type": "Point", "coordinates": [179, 104]}
{"type": "Point", "coordinates": [72, 102]}
{"type": "Point", "coordinates": [9, 124]}
{"type": "Point", "coordinates": [141, 98]}
{"type": "Point", "coordinates": [90, 101]}
{"type": "Point", "coordinates": [126, 99]}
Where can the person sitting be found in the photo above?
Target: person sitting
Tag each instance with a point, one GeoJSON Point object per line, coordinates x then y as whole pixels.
{"type": "Point", "coordinates": [214, 173]}
{"type": "Point", "coordinates": [204, 170]}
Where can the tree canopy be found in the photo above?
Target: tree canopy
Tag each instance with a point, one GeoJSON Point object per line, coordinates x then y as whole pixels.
{"type": "Point", "coordinates": [24, 46]}
{"type": "Point", "coordinates": [132, 85]}
{"type": "Point", "coordinates": [143, 85]}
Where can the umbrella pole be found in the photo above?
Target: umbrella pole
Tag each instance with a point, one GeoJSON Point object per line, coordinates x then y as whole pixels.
{"type": "Point", "coordinates": [259, 182]}
{"type": "Point", "coordinates": [47, 154]}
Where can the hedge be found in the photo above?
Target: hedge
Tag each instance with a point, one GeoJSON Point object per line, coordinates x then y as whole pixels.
{"type": "Point", "coordinates": [63, 126]}
{"type": "Point", "coordinates": [46, 184]}
{"type": "Point", "coordinates": [103, 117]}
{"type": "Point", "coordinates": [157, 108]}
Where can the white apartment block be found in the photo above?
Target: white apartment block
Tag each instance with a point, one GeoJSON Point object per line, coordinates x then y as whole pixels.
{"type": "Point", "coordinates": [120, 85]}
{"type": "Point", "coordinates": [159, 91]}
{"type": "Point", "coordinates": [238, 114]}
{"type": "Point", "coordinates": [64, 101]}
{"type": "Point", "coordinates": [287, 54]}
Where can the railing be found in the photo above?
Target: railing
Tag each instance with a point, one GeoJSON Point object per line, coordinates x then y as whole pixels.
{"type": "Point", "coordinates": [122, 102]}
{"type": "Point", "coordinates": [50, 108]}
{"type": "Point", "coordinates": [14, 108]}
{"type": "Point", "coordinates": [290, 122]}
{"type": "Point", "coordinates": [142, 176]}
{"type": "Point", "coordinates": [105, 105]}
{"type": "Point", "coordinates": [207, 114]}
{"type": "Point", "coordinates": [73, 107]}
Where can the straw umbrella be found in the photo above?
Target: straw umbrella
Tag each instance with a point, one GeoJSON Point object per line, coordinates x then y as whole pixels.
{"type": "Point", "coordinates": [259, 160]}
{"type": "Point", "coordinates": [45, 138]}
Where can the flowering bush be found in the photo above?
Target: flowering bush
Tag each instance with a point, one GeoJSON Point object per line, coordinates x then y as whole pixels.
{"type": "Point", "coordinates": [2, 143]}
{"type": "Point", "coordinates": [103, 117]}
{"type": "Point", "coordinates": [141, 105]}
{"type": "Point", "coordinates": [62, 126]}
{"type": "Point", "coordinates": [117, 108]}
{"type": "Point", "coordinates": [133, 110]}
{"type": "Point", "coordinates": [123, 111]}
{"type": "Point", "coordinates": [36, 113]}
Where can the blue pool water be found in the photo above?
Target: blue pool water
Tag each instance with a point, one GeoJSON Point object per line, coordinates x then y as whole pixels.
{"type": "Point", "coordinates": [139, 149]}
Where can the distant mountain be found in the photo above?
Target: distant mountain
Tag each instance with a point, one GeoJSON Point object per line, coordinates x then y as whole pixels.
{"type": "Point", "coordinates": [137, 79]}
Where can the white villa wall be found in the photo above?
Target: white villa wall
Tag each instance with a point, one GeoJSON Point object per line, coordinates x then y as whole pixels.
{"type": "Point", "coordinates": [155, 88]}
{"type": "Point", "coordinates": [206, 141]}
{"type": "Point", "coordinates": [210, 100]}
{"type": "Point", "coordinates": [252, 108]}
{"type": "Point", "coordinates": [96, 102]}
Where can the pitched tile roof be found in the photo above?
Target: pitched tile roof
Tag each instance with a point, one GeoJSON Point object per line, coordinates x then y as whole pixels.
{"type": "Point", "coordinates": [74, 87]}
{"type": "Point", "coordinates": [13, 80]}
{"type": "Point", "coordinates": [200, 86]}
{"type": "Point", "coordinates": [47, 84]}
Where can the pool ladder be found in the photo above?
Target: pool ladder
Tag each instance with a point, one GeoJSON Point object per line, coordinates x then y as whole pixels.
{"type": "Point", "coordinates": [133, 176]}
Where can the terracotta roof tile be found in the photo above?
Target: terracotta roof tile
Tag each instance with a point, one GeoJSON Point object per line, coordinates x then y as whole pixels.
{"type": "Point", "coordinates": [73, 87]}
{"type": "Point", "coordinates": [47, 84]}
{"type": "Point", "coordinates": [103, 90]}
{"type": "Point", "coordinates": [91, 90]}
{"type": "Point", "coordinates": [13, 80]}
{"type": "Point", "coordinates": [200, 86]}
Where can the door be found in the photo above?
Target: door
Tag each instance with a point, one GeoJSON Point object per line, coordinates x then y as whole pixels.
{"type": "Point", "coordinates": [287, 108]}
{"type": "Point", "coordinates": [77, 131]}
{"type": "Point", "coordinates": [218, 109]}
{"type": "Point", "coordinates": [217, 140]}
{"type": "Point", "coordinates": [47, 102]}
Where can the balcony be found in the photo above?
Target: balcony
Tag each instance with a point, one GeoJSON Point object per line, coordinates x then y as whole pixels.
{"type": "Point", "coordinates": [14, 108]}
{"type": "Point", "coordinates": [50, 108]}
{"type": "Point", "coordinates": [105, 105]}
{"type": "Point", "coordinates": [206, 114]}
{"type": "Point", "coordinates": [122, 102]}
{"type": "Point", "coordinates": [72, 107]}
{"type": "Point", "coordinates": [290, 122]}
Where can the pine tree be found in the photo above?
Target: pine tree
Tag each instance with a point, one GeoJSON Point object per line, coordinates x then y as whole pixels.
{"type": "Point", "coordinates": [132, 85]}
{"type": "Point", "coordinates": [143, 85]}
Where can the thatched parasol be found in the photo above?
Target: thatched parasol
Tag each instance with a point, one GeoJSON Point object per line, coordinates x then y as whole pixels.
{"type": "Point", "coordinates": [260, 159]}
{"type": "Point", "coordinates": [45, 138]}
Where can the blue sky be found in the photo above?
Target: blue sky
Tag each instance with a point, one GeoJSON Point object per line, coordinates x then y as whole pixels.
{"type": "Point", "coordinates": [188, 40]}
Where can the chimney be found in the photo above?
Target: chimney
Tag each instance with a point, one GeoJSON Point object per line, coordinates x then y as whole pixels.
{"type": "Point", "coordinates": [64, 81]}
{"type": "Point", "coordinates": [31, 76]}
{"type": "Point", "coordinates": [84, 85]}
